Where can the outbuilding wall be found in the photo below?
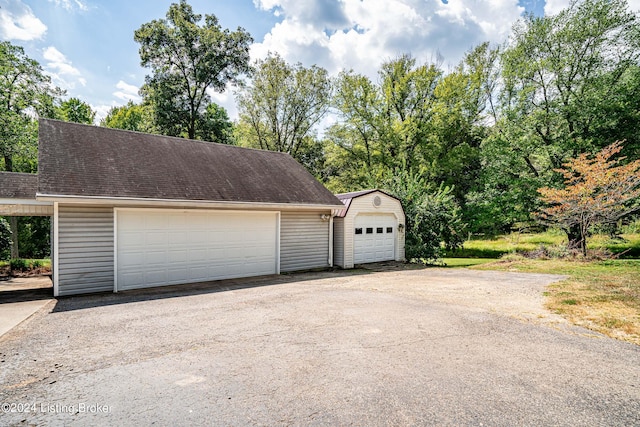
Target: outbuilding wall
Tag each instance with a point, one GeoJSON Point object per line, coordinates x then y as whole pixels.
{"type": "Point", "coordinates": [343, 227]}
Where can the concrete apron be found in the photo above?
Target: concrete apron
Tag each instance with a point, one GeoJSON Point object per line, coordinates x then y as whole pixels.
{"type": "Point", "coordinates": [16, 304]}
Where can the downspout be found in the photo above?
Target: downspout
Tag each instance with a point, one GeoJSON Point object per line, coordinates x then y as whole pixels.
{"type": "Point", "coordinates": [331, 239]}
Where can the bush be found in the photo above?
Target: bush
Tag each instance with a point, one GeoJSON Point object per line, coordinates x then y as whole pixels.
{"type": "Point", "coordinates": [433, 218]}
{"type": "Point", "coordinates": [5, 240]}
{"type": "Point", "coordinates": [19, 264]}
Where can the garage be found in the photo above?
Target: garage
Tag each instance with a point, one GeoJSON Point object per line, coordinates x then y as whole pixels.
{"type": "Point", "coordinates": [374, 238]}
{"type": "Point", "coordinates": [168, 247]}
{"type": "Point", "coordinates": [370, 228]}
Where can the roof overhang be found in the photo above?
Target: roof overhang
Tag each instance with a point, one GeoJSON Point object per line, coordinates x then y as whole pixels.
{"type": "Point", "coordinates": [173, 203]}
{"type": "Point", "coordinates": [25, 207]}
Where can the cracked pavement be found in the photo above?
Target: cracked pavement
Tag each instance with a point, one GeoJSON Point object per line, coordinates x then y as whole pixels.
{"type": "Point", "coordinates": [405, 347]}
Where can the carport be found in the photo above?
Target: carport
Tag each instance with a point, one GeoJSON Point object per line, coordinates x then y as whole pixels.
{"type": "Point", "coordinates": [18, 197]}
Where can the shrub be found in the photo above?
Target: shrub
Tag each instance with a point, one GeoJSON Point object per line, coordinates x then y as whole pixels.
{"type": "Point", "coordinates": [19, 264]}
{"type": "Point", "coordinates": [5, 240]}
{"type": "Point", "coordinates": [433, 218]}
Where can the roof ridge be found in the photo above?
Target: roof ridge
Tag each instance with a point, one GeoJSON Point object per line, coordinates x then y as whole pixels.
{"type": "Point", "coordinates": [157, 135]}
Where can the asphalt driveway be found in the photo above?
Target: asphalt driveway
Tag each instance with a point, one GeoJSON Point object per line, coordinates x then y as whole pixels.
{"type": "Point", "coordinates": [407, 347]}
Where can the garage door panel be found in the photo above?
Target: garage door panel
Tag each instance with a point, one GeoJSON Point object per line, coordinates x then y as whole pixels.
{"type": "Point", "coordinates": [377, 245]}
{"type": "Point", "coordinates": [163, 248]}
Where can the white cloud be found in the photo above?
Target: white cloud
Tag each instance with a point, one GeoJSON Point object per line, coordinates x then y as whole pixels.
{"type": "Point", "coordinates": [126, 92]}
{"type": "Point", "coordinates": [17, 22]}
{"type": "Point", "coordinates": [70, 4]}
{"type": "Point", "coordinates": [344, 34]}
{"type": "Point", "coordinates": [61, 69]}
{"type": "Point", "coordinates": [553, 7]}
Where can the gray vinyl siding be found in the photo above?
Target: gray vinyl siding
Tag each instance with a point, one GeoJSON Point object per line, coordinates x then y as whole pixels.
{"type": "Point", "coordinates": [85, 249]}
{"type": "Point", "coordinates": [304, 241]}
{"type": "Point", "coordinates": [338, 242]}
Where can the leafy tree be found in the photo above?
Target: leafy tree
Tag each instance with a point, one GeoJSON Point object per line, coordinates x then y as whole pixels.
{"type": "Point", "coordinates": [281, 105]}
{"type": "Point", "coordinates": [187, 61]}
{"type": "Point", "coordinates": [75, 110]}
{"type": "Point", "coordinates": [34, 236]}
{"type": "Point", "coordinates": [135, 117]}
{"type": "Point", "coordinates": [570, 84]}
{"type": "Point", "coordinates": [433, 217]}
{"type": "Point", "coordinates": [5, 240]}
{"type": "Point", "coordinates": [597, 190]}
{"type": "Point", "coordinates": [25, 92]}
{"type": "Point", "coordinates": [215, 126]}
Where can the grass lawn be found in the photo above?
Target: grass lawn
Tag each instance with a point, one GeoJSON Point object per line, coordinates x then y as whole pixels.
{"type": "Point", "coordinates": [465, 262]}
{"type": "Point", "coordinates": [600, 295]}
{"type": "Point", "coordinates": [521, 242]}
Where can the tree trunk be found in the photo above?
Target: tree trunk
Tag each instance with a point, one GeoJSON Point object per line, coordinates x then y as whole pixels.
{"type": "Point", "coordinates": [574, 236]}
{"type": "Point", "coordinates": [13, 225]}
{"type": "Point", "coordinates": [8, 163]}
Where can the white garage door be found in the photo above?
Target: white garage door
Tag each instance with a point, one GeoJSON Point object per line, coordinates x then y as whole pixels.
{"type": "Point", "coordinates": [156, 248]}
{"type": "Point", "coordinates": [374, 238]}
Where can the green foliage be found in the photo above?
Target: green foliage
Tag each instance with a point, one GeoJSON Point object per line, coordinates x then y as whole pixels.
{"type": "Point", "coordinates": [280, 107]}
{"type": "Point", "coordinates": [433, 218]}
{"type": "Point", "coordinates": [34, 236]}
{"type": "Point", "coordinates": [25, 91]}
{"type": "Point", "coordinates": [570, 84]}
{"type": "Point", "coordinates": [5, 240]}
{"type": "Point", "coordinates": [134, 117]}
{"type": "Point", "coordinates": [19, 264]}
{"type": "Point", "coordinates": [75, 110]}
{"type": "Point", "coordinates": [187, 60]}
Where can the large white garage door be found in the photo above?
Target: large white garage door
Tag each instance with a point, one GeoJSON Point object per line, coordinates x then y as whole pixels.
{"type": "Point", "coordinates": [156, 248]}
{"type": "Point", "coordinates": [374, 238]}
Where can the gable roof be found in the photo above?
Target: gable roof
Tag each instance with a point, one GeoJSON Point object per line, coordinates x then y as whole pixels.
{"type": "Point", "coordinates": [346, 199]}
{"type": "Point", "coordinates": [88, 161]}
{"type": "Point", "coordinates": [14, 185]}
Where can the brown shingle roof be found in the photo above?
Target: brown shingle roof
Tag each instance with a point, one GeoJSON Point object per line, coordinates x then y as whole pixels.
{"type": "Point", "coordinates": [14, 185]}
{"type": "Point", "coordinates": [85, 161]}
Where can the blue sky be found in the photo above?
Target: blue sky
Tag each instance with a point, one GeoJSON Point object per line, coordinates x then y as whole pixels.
{"type": "Point", "coordinates": [87, 45]}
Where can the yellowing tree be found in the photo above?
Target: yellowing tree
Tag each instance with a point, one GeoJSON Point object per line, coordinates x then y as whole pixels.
{"type": "Point", "coordinates": [597, 190]}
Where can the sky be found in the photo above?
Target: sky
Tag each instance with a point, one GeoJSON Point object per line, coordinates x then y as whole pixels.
{"type": "Point", "coordinates": [87, 46]}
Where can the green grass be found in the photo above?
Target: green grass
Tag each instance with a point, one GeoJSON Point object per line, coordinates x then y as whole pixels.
{"type": "Point", "coordinates": [521, 242]}
{"type": "Point", "coordinates": [46, 262]}
{"type": "Point", "coordinates": [465, 262]}
{"type": "Point", "coordinates": [600, 295]}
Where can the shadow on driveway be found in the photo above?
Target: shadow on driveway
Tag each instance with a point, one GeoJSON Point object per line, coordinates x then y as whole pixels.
{"type": "Point", "coordinates": [80, 302]}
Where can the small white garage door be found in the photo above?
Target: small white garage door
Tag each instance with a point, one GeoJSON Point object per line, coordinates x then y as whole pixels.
{"type": "Point", "coordinates": [374, 238]}
{"type": "Point", "coordinates": [156, 248]}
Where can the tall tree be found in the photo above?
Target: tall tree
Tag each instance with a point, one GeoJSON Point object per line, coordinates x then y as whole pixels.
{"type": "Point", "coordinates": [187, 61]}
{"type": "Point", "coordinates": [281, 105]}
{"type": "Point", "coordinates": [25, 92]}
{"type": "Point", "coordinates": [570, 84]}
{"type": "Point", "coordinates": [75, 110]}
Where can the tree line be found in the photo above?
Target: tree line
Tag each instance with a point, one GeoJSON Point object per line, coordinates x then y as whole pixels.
{"type": "Point", "coordinates": [466, 148]}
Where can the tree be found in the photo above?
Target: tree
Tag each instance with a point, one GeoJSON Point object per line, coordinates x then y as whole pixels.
{"type": "Point", "coordinates": [75, 110]}
{"type": "Point", "coordinates": [215, 126]}
{"type": "Point", "coordinates": [433, 217]}
{"type": "Point", "coordinates": [135, 117]}
{"type": "Point", "coordinates": [281, 105]}
{"type": "Point", "coordinates": [570, 83]}
{"type": "Point", "coordinates": [188, 60]}
{"type": "Point", "coordinates": [597, 190]}
{"type": "Point", "coordinates": [25, 92]}
{"type": "Point", "coordinates": [5, 240]}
